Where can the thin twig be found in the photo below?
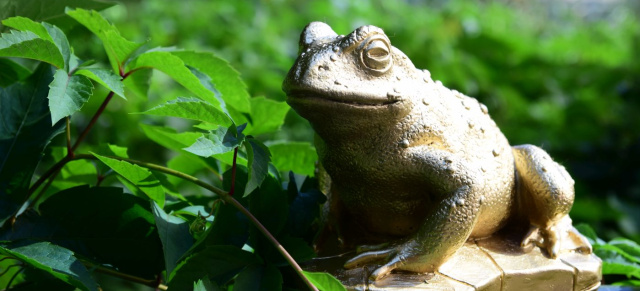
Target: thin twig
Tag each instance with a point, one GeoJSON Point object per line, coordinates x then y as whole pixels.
{"type": "Point", "coordinates": [93, 121]}
{"type": "Point", "coordinates": [69, 151]}
{"type": "Point", "coordinates": [151, 283]}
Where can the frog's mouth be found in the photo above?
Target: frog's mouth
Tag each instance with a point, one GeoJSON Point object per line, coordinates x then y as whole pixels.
{"type": "Point", "coordinates": [305, 96]}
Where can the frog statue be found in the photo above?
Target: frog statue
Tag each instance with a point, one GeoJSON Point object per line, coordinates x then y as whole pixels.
{"type": "Point", "coordinates": [415, 169]}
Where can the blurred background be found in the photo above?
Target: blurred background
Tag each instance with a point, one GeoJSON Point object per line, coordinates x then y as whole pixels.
{"type": "Point", "coordinates": [562, 75]}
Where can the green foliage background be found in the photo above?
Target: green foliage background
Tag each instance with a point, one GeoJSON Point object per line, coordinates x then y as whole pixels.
{"type": "Point", "coordinates": [556, 74]}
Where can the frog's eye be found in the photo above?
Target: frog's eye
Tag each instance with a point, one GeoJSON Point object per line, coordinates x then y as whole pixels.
{"type": "Point", "coordinates": [376, 55]}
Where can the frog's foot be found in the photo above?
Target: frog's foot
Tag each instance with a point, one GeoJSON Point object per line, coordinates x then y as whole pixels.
{"type": "Point", "coordinates": [398, 256]}
{"type": "Point", "coordinates": [545, 238]}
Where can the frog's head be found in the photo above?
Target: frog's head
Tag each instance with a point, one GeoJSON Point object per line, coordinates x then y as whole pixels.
{"type": "Point", "coordinates": [350, 81]}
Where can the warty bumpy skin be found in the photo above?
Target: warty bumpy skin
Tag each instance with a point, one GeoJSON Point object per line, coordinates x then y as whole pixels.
{"type": "Point", "coordinates": [411, 161]}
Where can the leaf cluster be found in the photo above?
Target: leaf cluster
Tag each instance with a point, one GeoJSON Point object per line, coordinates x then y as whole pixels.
{"type": "Point", "coordinates": [69, 208]}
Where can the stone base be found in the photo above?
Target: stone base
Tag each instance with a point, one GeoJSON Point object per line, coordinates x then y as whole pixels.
{"type": "Point", "coordinates": [496, 263]}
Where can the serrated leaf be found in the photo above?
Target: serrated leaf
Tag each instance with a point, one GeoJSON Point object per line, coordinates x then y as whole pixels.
{"type": "Point", "coordinates": [173, 66]}
{"type": "Point", "coordinates": [218, 263]}
{"type": "Point", "coordinates": [224, 77]}
{"type": "Point", "coordinates": [193, 109]}
{"type": "Point", "coordinates": [267, 115]}
{"type": "Point", "coordinates": [26, 131]}
{"type": "Point", "coordinates": [52, 12]}
{"type": "Point", "coordinates": [26, 24]}
{"type": "Point", "coordinates": [11, 72]}
{"type": "Point", "coordinates": [67, 94]}
{"type": "Point", "coordinates": [221, 140]}
{"type": "Point", "coordinates": [26, 44]}
{"type": "Point", "coordinates": [324, 281]}
{"type": "Point", "coordinates": [258, 277]}
{"type": "Point", "coordinates": [174, 234]}
{"type": "Point", "coordinates": [53, 259]}
{"type": "Point", "coordinates": [139, 176]}
{"type": "Point", "coordinates": [61, 42]}
{"type": "Point", "coordinates": [299, 157]}
{"type": "Point", "coordinates": [117, 47]}
{"type": "Point", "coordinates": [258, 158]}
{"type": "Point", "coordinates": [205, 285]}
{"type": "Point", "coordinates": [168, 137]}
{"type": "Point", "coordinates": [105, 78]}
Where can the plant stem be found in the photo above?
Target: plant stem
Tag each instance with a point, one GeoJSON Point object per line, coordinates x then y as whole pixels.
{"type": "Point", "coordinates": [69, 151]}
{"type": "Point", "coordinates": [53, 170]}
{"type": "Point", "coordinates": [226, 198]}
{"type": "Point", "coordinates": [93, 121]}
{"type": "Point", "coordinates": [114, 273]}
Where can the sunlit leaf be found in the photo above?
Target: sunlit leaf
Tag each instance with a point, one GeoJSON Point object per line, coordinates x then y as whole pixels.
{"type": "Point", "coordinates": [324, 281]}
{"type": "Point", "coordinates": [191, 108]}
{"type": "Point", "coordinates": [266, 115]}
{"type": "Point", "coordinates": [299, 157]}
{"type": "Point", "coordinates": [26, 44]}
{"type": "Point", "coordinates": [225, 78]}
{"type": "Point", "coordinates": [68, 94]}
{"type": "Point", "coordinates": [139, 176]}
{"type": "Point", "coordinates": [52, 12]}
{"type": "Point", "coordinates": [117, 47]}
{"type": "Point", "coordinates": [221, 140]}
{"type": "Point", "coordinates": [105, 78]}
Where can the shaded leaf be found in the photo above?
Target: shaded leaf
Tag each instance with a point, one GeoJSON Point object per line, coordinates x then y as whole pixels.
{"type": "Point", "coordinates": [61, 42]}
{"type": "Point", "coordinates": [258, 158]}
{"type": "Point", "coordinates": [258, 277]}
{"type": "Point", "coordinates": [26, 131]}
{"type": "Point", "coordinates": [217, 263]}
{"type": "Point", "coordinates": [221, 140]}
{"type": "Point", "coordinates": [139, 176]}
{"type": "Point", "coordinates": [105, 78]}
{"type": "Point", "coordinates": [52, 12]}
{"type": "Point", "coordinates": [100, 223]}
{"type": "Point", "coordinates": [117, 47]}
{"type": "Point", "coordinates": [26, 44]}
{"type": "Point", "coordinates": [174, 234]}
{"type": "Point", "coordinates": [324, 281]}
{"type": "Point", "coordinates": [138, 82]}
{"type": "Point", "coordinates": [11, 72]}
{"type": "Point", "coordinates": [68, 94]}
{"type": "Point", "coordinates": [205, 285]}
{"type": "Point", "coordinates": [225, 78]}
{"type": "Point", "coordinates": [53, 259]}
{"type": "Point", "coordinates": [191, 108]}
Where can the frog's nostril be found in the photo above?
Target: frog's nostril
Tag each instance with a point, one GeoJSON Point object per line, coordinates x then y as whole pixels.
{"type": "Point", "coordinates": [314, 31]}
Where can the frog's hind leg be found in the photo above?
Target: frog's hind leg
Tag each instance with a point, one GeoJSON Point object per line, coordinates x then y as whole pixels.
{"type": "Point", "coordinates": [545, 195]}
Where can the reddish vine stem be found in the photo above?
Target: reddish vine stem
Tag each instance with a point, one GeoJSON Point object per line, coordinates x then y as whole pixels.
{"type": "Point", "coordinates": [93, 121]}
{"type": "Point", "coordinates": [69, 151]}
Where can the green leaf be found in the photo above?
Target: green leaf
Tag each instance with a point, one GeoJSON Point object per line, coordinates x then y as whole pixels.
{"type": "Point", "coordinates": [193, 109]}
{"type": "Point", "coordinates": [61, 42]}
{"type": "Point", "coordinates": [266, 115]}
{"type": "Point", "coordinates": [258, 158]}
{"type": "Point", "coordinates": [117, 47]}
{"type": "Point", "coordinates": [173, 66]}
{"type": "Point", "coordinates": [324, 281]}
{"type": "Point", "coordinates": [105, 78]}
{"type": "Point", "coordinates": [138, 82]}
{"type": "Point", "coordinates": [299, 157]}
{"type": "Point", "coordinates": [26, 24]}
{"type": "Point", "coordinates": [52, 12]}
{"type": "Point", "coordinates": [631, 248]}
{"type": "Point", "coordinates": [221, 140]}
{"type": "Point", "coordinates": [218, 263]}
{"type": "Point", "coordinates": [100, 223]}
{"type": "Point", "coordinates": [26, 131]}
{"type": "Point", "coordinates": [26, 44]}
{"type": "Point", "coordinates": [205, 285]}
{"type": "Point", "coordinates": [68, 94]}
{"type": "Point", "coordinates": [11, 72]}
{"type": "Point", "coordinates": [174, 234]}
{"type": "Point", "coordinates": [139, 176]}
{"type": "Point", "coordinates": [224, 77]}
{"type": "Point", "coordinates": [53, 259]}
{"type": "Point", "coordinates": [168, 137]}
{"type": "Point", "coordinates": [258, 277]}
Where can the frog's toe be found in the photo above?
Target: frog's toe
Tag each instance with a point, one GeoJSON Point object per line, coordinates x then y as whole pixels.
{"type": "Point", "coordinates": [545, 238]}
{"type": "Point", "coordinates": [379, 273]}
{"type": "Point", "coordinates": [369, 257]}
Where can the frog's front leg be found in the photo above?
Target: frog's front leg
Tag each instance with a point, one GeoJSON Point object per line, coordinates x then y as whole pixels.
{"type": "Point", "coordinates": [444, 230]}
{"type": "Point", "coordinates": [546, 195]}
